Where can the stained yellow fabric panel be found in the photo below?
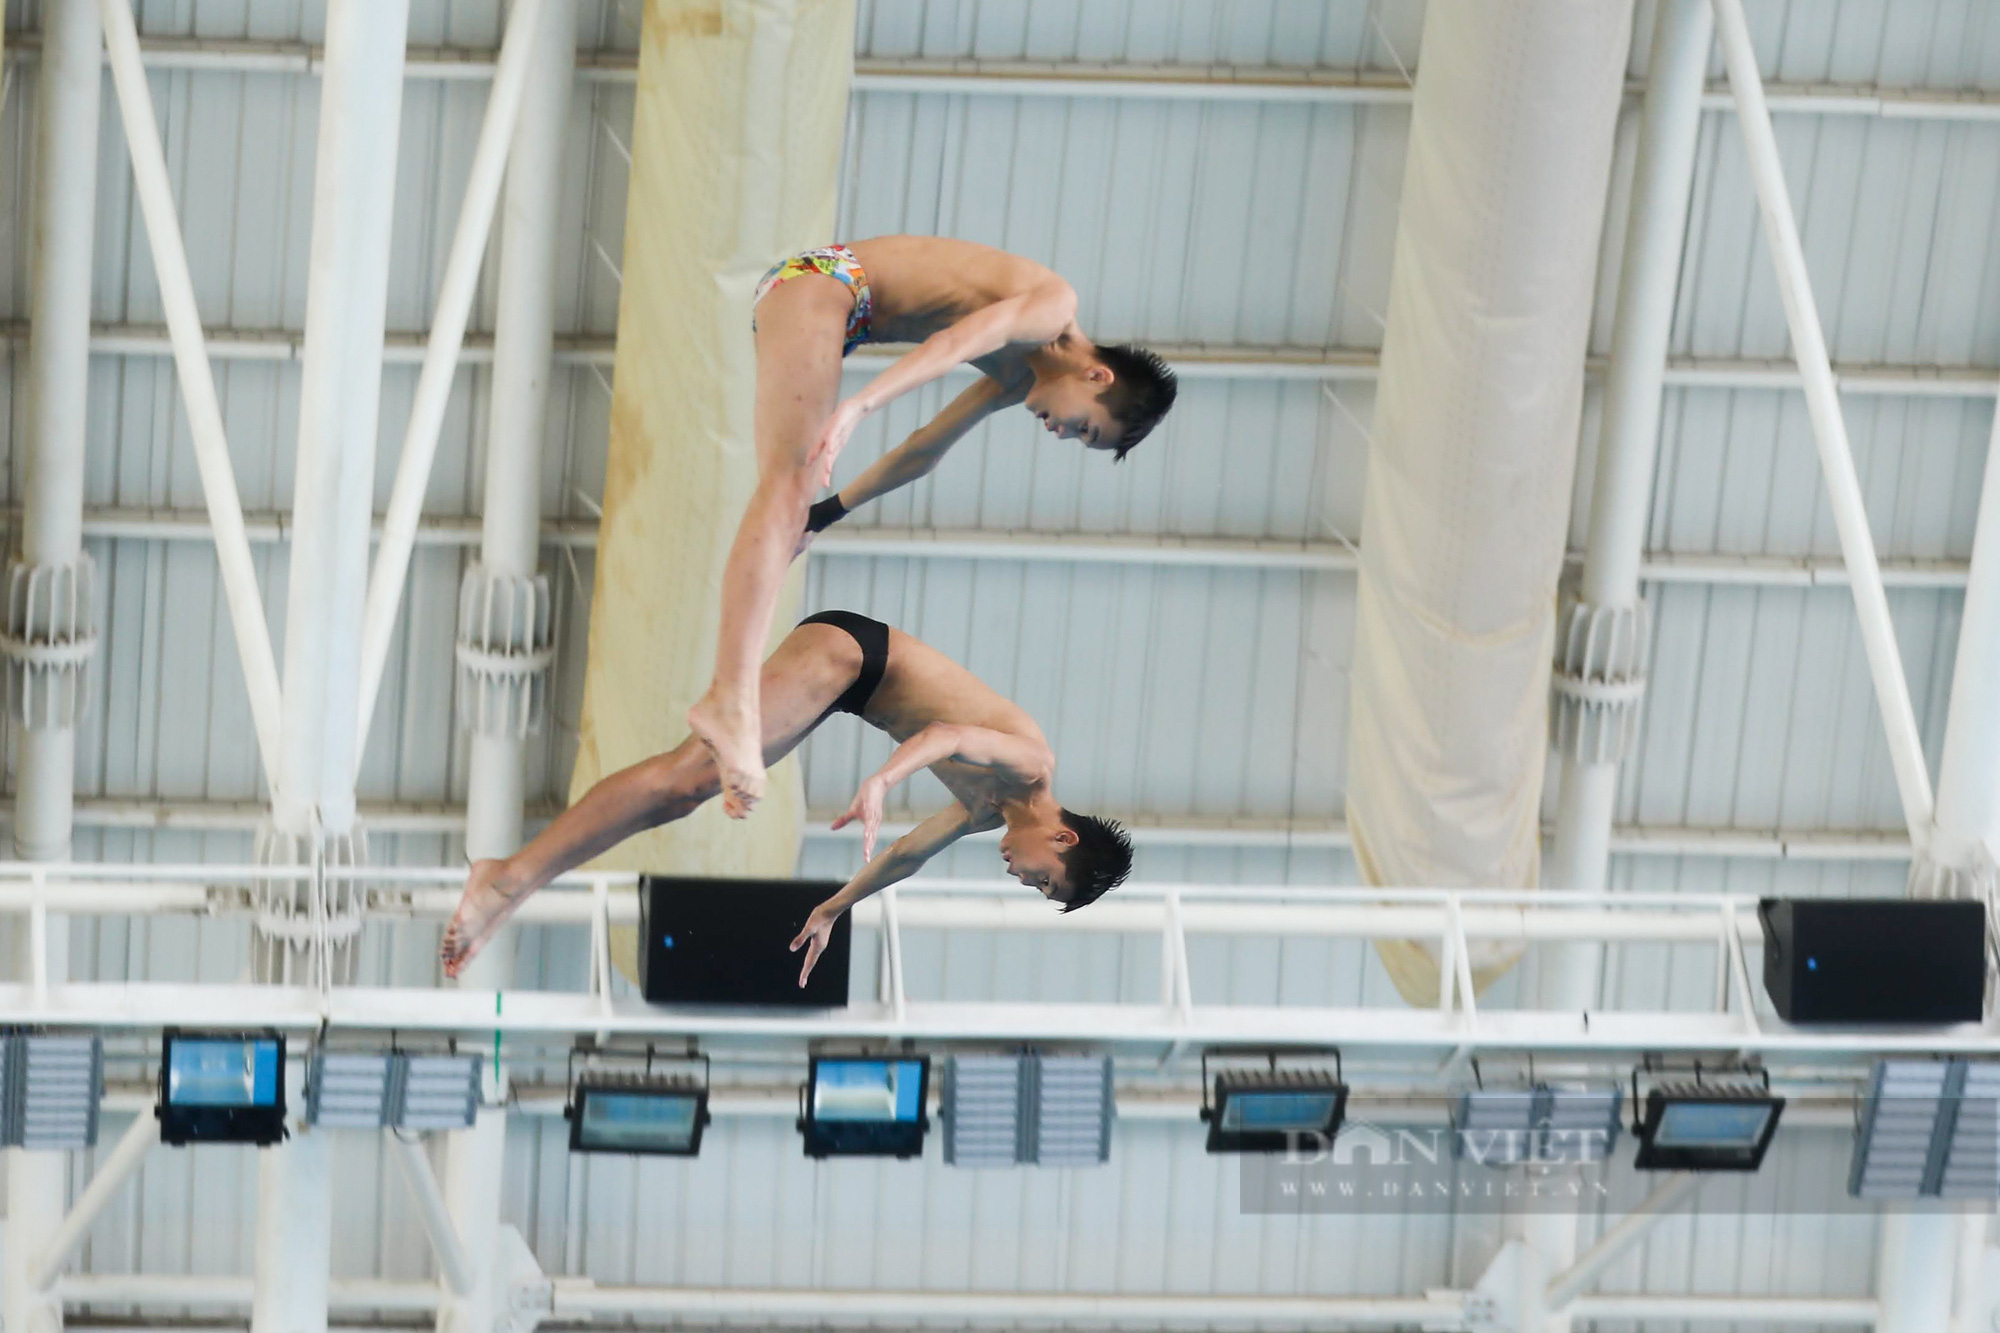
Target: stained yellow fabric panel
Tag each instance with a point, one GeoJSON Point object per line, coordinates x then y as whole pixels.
{"type": "Point", "coordinates": [735, 150]}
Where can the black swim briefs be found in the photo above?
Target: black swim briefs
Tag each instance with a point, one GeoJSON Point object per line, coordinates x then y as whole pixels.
{"type": "Point", "coordinates": [873, 636]}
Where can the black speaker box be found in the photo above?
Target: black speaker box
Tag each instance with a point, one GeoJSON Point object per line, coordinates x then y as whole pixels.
{"type": "Point", "coordinates": [728, 941]}
{"type": "Point", "coordinates": [1874, 960]}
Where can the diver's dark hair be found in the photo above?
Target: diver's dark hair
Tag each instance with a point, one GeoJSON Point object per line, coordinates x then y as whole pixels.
{"type": "Point", "coordinates": [1099, 862]}
{"type": "Point", "coordinates": [1142, 389]}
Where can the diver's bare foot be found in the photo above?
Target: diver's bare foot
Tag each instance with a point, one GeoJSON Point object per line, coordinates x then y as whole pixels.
{"type": "Point", "coordinates": [485, 907]}
{"type": "Point", "coordinates": [731, 735]}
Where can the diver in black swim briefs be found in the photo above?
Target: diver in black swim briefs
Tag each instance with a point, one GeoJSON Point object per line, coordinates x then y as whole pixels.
{"type": "Point", "coordinates": [989, 754]}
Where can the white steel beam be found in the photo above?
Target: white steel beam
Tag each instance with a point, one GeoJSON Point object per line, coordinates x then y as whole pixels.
{"type": "Point", "coordinates": [1850, 515]}
{"type": "Point", "coordinates": [1068, 79]}
{"type": "Point", "coordinates": [123, 523]}
{"type": "Point", "coordinates": [1441, 1309]}
{"type": "Point", "coordinates": [117, 1167]}
{"type": "Point", "coordinates": [207, 1292]}
{"type": "Point", "coordinates": [1649, 1306]}
{"type": "Point", "coordinates": [442, 817]}
{"type": "Point", "coordinates": [454, 1266]}
{"type": "Point", "coordinates": [1190, 361]}
{"type": "Point", "coordinates": [1722, 922]}
{"type": "Point", "coordinates": [211, 446]}
{"type": "Point", "coordinates": [1629, 1230]}
{"type": "Point", "coordinates": [579, 1298]}
{"type": "Point", "coordinates": [454, 306]}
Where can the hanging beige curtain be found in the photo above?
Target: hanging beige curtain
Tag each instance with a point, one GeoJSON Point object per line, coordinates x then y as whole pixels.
{"type": "Point", "coordinates": [735, 152]}
{"type": "Point", "coordinates": [1475, 436]}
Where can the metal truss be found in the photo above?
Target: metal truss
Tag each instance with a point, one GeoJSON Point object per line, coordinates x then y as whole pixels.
{"type": "Point", "coordinates": [1174, 1022]}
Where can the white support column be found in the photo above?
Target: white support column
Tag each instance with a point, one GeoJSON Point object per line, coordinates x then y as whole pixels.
{"type": "Point", "coordinates": [473, 1159]}
{"type": "Point", "coordinates": [454, 305]}
{"type": "Point", "coordinates": [506, 625]}
{"type": "Point", "coordinates": [1601, 641]}
{"type": "Point", "coordinates": [50, 631]}
{"type": "Point", "coordinates": [312, 815]}
{"type": "Point", "coordinates": [361, 96]}
{"type": "Point", "coordinates": [1836, 455]}
{"type": "Point", "coordinates": [1915, 1258]}
{"type": "Point", "coordinates": [291, 1281]}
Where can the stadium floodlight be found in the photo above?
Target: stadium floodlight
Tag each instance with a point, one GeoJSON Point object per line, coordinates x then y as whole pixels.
{"type": "Point", "coordinates": [50, 1089]}
{"type": "Point", "coordinates": [1270, 1110]}
{"type": "Point", "coordinates": [1032, 1109]}
{"type": "Point", "coordinates": [391, 1090]}
{"type": "Point", "coordinates": [1706, 1125]}
{"type": "Point", "coordinates": [865, 1106]}
{"type": "Point", "coordinates": [1544, 1124]}
{"type": "Point", "coordinates": [222, 1087]}
{"type": "Point", "coordinates": [620, 1106]}
{"type": "Point", "coordinates": [1928, 1129]}
{"type": "Point", "coordinates": [654, 1114]}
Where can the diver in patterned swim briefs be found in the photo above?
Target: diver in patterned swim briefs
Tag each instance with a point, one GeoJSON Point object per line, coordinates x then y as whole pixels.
{"type": "Point", "coordinates": [961, 303]}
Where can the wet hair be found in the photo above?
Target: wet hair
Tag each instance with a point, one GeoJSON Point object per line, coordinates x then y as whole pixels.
{"type": "Point", "coordinates": [1142, 390]}
{"type": "Point", "coordinates": [1099, 862]}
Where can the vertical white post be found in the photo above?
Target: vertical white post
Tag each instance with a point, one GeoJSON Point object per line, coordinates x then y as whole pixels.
{"type": "Point", "coordinates": [48, 600]}
{"type": "Point", "coordinates": [1969, 1300]}
{"type": "Point", "coordinates": [506, 617]}
{"type": "Point", "coordinates": [472, 1171]}
{"type": "Point", "coordinates": [347, 288]}
{"type": "Point", "coordinates": [1602, 638]}
{"type": "Point", "coordinates": [291, 1282]}
{"type": "Point", "coordinates": [361, 96]}
{"type": "Point", "coordinates": [1915, 1258]}
{"type": "Point", "coordinates": [1836, 455]}
{"type": "Point", "coordinates": [49, 581]}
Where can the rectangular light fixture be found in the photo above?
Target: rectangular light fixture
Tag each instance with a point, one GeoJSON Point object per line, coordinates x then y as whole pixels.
{"type": "Point", "coordinates": [870, 1106]}
{"type": "Point", "coordinates": [222, 1087]}
{"type": "Point", "coordinates": [980, 1106]}
{"type": "Point", "coordinates": [1073, 1107]}
{"type": "Point", "coordinates": [1706, 1127]}
{"type": "Point", "coordinates": [1267, 1111]}
{"type": "Point", "coordinates": [1031, 1109]}
{"type": "Point", "coordinates": [50, 1089]}
{"type": "Point", "coordinates": [1928, 1129]}
{"type": "Point", "coordinates": [392, 1090]}
{"type": "Point", "coordinates": [435, 1092]}
{"type": "Point", "coordinates": [653, 1114]}
{"type": "Point", "coordinates": [1545, 1124]}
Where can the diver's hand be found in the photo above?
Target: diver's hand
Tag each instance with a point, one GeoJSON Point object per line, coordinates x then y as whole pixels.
{"type": "Point", "coordinates": [833, 437]}
{"type": "Point", "coordinates": [866, 807]}
{"type": "Point", "coordinates": [814, 937]}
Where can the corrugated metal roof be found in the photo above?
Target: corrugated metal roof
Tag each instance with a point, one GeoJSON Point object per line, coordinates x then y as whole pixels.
{"type": "Point", "coordinates": [1167, 692]}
